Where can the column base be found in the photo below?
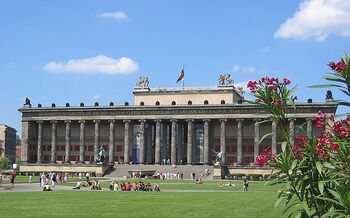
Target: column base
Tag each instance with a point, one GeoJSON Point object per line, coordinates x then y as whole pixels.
{"type": "Point", "coordinates": [80, 162]}
{"type": "Point", "coordinates": [53, 162]}
{"type": "Point", "coordinates": [38, 162]}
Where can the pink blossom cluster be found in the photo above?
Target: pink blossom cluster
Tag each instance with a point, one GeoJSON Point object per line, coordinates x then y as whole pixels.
{"type": "Point", "coordinates": [320, 119]}
{"type": "Point", "coordinates": [342, 127]}
{"type": "Point", "coordinates": [339, 67]}
{"type": "Point", "coordinates": [271, 82]}
{"type": "Point", "coordinates": [267, 156]}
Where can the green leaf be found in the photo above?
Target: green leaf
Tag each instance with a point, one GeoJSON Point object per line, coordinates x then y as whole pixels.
{"type": "Point", "coordinates": [328, 165]}
{"type": "Point", "coordinates": [306, 208]}
{"type": "Point", "coordinates": [266, 135]}
{"type": "Point", "coordinates": [283, 146]}
{"type": "Point", "coordinates": [294, 164]}
{"type": "Point", "coordinates": [319, 167]}
{"type": "Point", "coordinates": [321, 186]}
{"type": "Point", "coordinates": [280, 199]}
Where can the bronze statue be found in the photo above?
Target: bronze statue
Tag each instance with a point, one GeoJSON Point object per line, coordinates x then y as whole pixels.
{"type": "Point", "coordinates": [143, 82]}
{"type": "Point", "coordinates": [225, 79]}
{"type": "Point", "coordinates": [101, 156]}
{"type": "Point", "coordinates": [329, 95]}
{"type": "Point", "coordinates": [27, 101]}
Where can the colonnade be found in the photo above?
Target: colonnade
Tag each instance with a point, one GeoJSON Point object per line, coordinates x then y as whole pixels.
{"type": "Point", "coordinates": [157, 145]}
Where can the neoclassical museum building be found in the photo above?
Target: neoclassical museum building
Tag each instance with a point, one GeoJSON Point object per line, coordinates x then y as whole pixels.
{"type": "Point", "coordinates": [184, 126]}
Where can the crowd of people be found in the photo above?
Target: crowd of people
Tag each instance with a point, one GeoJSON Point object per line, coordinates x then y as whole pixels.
{"type": "Point", "coordinates": [126, 186]}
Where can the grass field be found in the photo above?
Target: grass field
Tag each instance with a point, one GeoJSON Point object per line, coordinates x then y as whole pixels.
{"type": "Point", "coordinates": [258, 202]}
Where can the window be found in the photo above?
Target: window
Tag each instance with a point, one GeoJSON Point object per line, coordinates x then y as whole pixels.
{"type": "Point", "coordinates": [157, 103]}
{"type": "Point", "coordinates": [206, 102]}
{"type": "Point", "coordinates": [189, 102]}
{"type": "Point", "coordinates": [126, 103]}
{"type": "Point", "coordinates": [142, 103]}
{"type": "Point", "coordinates": [222, 101]}
{"type": "Point", "coordinates": [173, 103]}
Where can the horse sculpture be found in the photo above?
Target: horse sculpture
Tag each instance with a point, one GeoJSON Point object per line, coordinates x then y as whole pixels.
{"type": "Point", "coordinates": [142, 82]}
{"type": "Point", "coordinates": [225, 79]}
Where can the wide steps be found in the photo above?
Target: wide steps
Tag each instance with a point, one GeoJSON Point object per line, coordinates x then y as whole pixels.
{"type": "Point", "coordinates": [199, 170]}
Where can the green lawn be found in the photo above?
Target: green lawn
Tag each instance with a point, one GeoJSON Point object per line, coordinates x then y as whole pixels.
{"type": "Point", "coordinates": [138, 204]}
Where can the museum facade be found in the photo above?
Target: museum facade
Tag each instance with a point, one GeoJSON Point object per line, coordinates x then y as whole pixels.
{"type": "Point", "coordinates": [177, 125]}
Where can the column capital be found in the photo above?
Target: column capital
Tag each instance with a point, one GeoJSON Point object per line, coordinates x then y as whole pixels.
{"type": "Point", "coordinates": [173, 120]}
{"type": "Point", "coordinates": [257, 119]}
{"type": "Point", "coordinates": [39, 121]}
{"type": "Point", "coordinates": [223, 120]}
{"type": "Point", "coordinates": [111, 121]}
{"type": "Point", "coordinates": [81, 121]}
{"type": "Point", "coordinates": [142, 121]}
{"type": "Point", "coordinates": [96, 121]}
{"type": "Point", "coordinates": [158, 120]}
{"type": "Point", "coordinates": [291, 119]}
{"type": "Point", "coordinates": [206, 120]}
{"type": "Point", "coordinates": [53, 121]}
{"type": "Point", "coordinates": [67, 121]}
{"type": "Point", "coordinates": [190, 120]}
{"type": "Point", "coordinates": [240, 120]}
{"type": "Point", "coordinates": [126, 121]}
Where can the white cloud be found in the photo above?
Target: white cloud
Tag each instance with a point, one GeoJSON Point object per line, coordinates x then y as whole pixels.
{"type": "Point", "coordinates": [118, 15]}
{"type": "Point", "coordinates": [98, 64]}
{"type": "Point", "coordinates": [239, 69]}
{"type": "Point", "coordinates": [317, 19]}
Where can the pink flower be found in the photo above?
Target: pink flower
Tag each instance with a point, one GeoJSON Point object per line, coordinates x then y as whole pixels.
{"type": "Point", "coordinates": [320, 119]}
{"type": "Point", "coordinates": [259, 100]}
{"type": "Point", "coordinates": [340, 67]}
{"type": "Point", "coordinates": [297, 149]}
{"type": "Point", "coordinates": [267, 80]}
{"type": "Point", "coordinates": [262, 160]}
{"type": "Point", "coordinates": [252, 85]}
{"type": "Point", "coordinates": [301, 139]}
{"type": "Point", "coordinates": [334, 147]}
{"type": "Point", "coordinates": [321, 151]}
{"type": "Point", "coordinates": [277, 102]}
{"type": "Point", "coordinates": [273, 87]}
{"type": "Point", "coordinates": [286, 81]}
{"type": "Point", "coordinates": [332, 65]}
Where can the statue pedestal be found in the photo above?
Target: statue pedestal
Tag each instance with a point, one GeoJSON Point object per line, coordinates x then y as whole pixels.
{"type": "Point", "coordinates": [220, 171]}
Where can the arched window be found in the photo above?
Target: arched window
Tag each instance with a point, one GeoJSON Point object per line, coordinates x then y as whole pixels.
{"type": "Point", "coordinates": [39, 105]}
{"type": "Point", "coordinates": [96, 104]}
{"type": "Point", "coordinates": [142, 103]}
{"type": "Point", "coordinates": [222, 101]}
{"type": "Point", "coordinates": [67, 104]}
{"type": "Point", "coordinates": [173, 103]}
{"type": "Point", "coordinates": [81, 104]}
{"type": "Point", "coordinates": [126, 103]}
{"type": "Point", "coordinates": [206, 102]}
{"type": "Point", "coordinates": [111, 104]}
{"type": "Point", "coordinates": [157, 103]}
{"type": "Point", "coordinates": [53, 105]}
{"type": "Point", "coordinates": [189, 102]}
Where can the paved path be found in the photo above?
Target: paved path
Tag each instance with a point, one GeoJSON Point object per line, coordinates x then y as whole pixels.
{"type": "Point", "coordinates": [25, 187]}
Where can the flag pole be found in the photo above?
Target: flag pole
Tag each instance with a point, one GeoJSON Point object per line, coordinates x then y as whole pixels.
{"type": "Point", "coordinates": [183, 80]}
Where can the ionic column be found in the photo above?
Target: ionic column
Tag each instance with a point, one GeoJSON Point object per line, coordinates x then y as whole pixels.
{"type": "Point", "coordinates": [223, 141]}
{"type": "Point", "coordinates": [274, 137]}
{"type": "Point", "coordinates": [189, 141]}
{"type": "Point", "coordinates": [142, 141]}
{"type": "Point", "coordinates": [25, 141]}
{"type": "Point", "coordinates": [309, 128]}
{"type": "Point", "coordinates": [126, 141]}
{"type": "Point", "coordinates": [157, 146]}
{"type": "Point", "coordinates": [291, 130]}
{"type": "Point", "coordinates": [239, 141]}
{"type": "Point", "coordinates": [96, 139]}
{"type": "Point", "coordinates": [111, 141]}
{"type": "Point", "coordinates": [68, 141]}
{"type": "Point", "coordinates": [40, 140]}
{"type": "Point", "coordinates": [206, 142]}
{"type": "Point", "coordinates": [256, 138]}
{"type": "Point", "coordinates": [53, 141]}
{"type": "Point", "coordinates": [82, 141]}
{"type": "Point", "coordinates": [173, 141]}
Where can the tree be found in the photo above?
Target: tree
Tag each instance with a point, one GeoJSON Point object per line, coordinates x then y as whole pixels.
{"type": "Point", "coordinates": [18, 140]}
{"type": "Point", "coordinates": [1, 147]}
{"type": "Point", "coordinates": [5, 163]}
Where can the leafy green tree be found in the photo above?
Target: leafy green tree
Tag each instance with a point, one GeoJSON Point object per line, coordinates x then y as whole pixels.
{"type": "Point", "coordinates": [5, 163]}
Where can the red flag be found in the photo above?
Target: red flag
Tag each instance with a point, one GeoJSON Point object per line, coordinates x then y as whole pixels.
{"type": "Point", "coordinates": [181, 76]}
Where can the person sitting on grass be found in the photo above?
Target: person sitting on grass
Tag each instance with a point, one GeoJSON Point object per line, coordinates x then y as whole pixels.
{"type": "Point", "coordinates": [199, 181]}
{"type": "Point", "coordinates": [78, 185]}
{"type": "Point", "coordinates": [134, 186]}
{"type": "Point", "coordinates": [97, 185]}
{"type": "Point", "coordinates": [116, 186]}
{"type": "Point", "coordinates": [47, 187]}
{"type": "Point", "coordinates": [127, 186]}
{"type": "Point", "coordinates": [156, 188]}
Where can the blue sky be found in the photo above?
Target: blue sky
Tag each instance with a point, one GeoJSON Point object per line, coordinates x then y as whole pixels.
{"type": "Point", "coordinates": [87, 51]}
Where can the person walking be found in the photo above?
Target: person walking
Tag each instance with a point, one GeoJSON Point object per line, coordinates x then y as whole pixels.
{"type": "Point", "coordinates": [30, 178]}
{"type": "Point", "coordinates": [13, 178]}
{"type": "Point", "coordinates": [245, 185]}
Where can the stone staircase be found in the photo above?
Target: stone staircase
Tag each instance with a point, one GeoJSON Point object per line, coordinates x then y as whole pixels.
{"type": "Point", "coordinates": [121, 171]}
